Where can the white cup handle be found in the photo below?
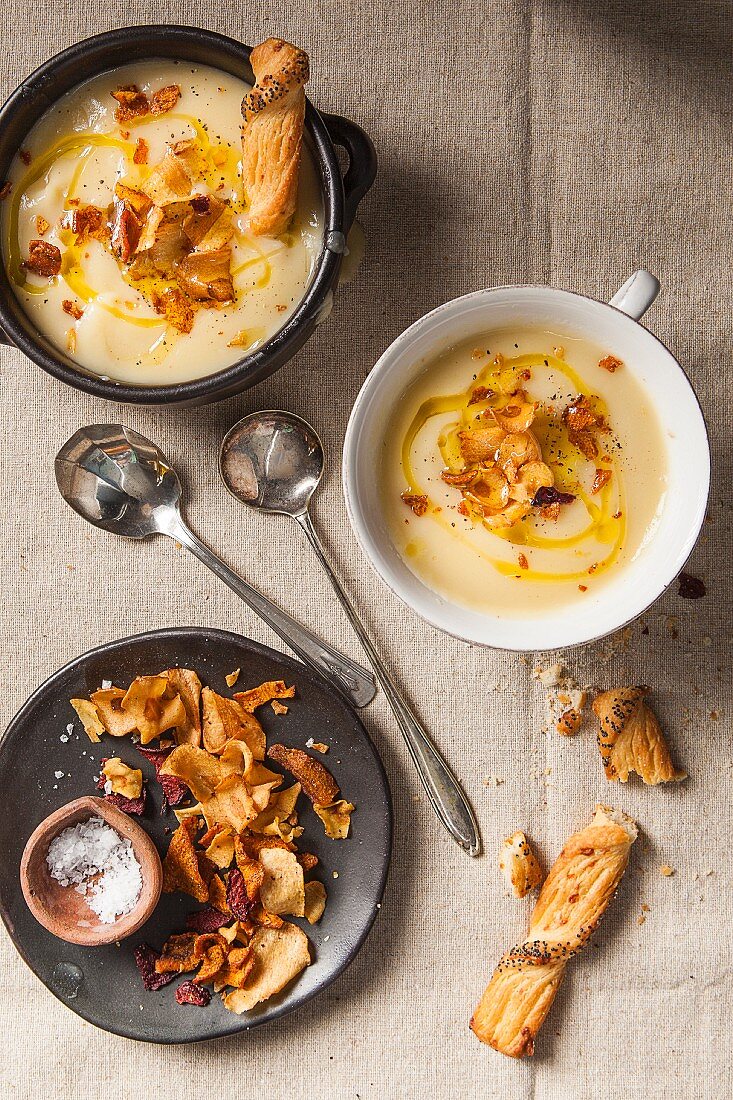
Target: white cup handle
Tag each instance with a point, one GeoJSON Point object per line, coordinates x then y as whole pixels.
{"type": "Point", "coordinates": [637, 294]}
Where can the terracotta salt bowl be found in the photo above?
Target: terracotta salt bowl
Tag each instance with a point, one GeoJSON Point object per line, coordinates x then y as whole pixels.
{"type": "Point", "coordinates": [62, 910]}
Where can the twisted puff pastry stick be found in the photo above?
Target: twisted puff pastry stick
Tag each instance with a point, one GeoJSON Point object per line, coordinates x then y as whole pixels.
{"type": "Point", "coordinates": [272, 135]}
{"type": "Point", "coordinates": [572, 901]}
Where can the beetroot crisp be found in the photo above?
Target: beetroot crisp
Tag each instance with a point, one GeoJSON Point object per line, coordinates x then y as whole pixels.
{"type": "Point", "coordinates": [145, 958]}
{"type": "Point", "coordinates": [206, 920]}
{"type": "Point", "coordinates": [133, 806]}
{"type": "Point", "coordinates": [237, 899]}
{"type": "Point", "coordinates": [691, 588]}
{"type": "Point", "coordinates": [191, 994]}
{"type": "Point", "coordinates": [548, 494]}
{"type": "Point", "coordinates": [174, 790]}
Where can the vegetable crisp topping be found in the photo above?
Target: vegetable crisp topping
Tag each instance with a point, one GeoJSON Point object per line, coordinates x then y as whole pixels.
{"type": "Point", "coordinates": [44, 259]}
{"type": "Point", "coordinates": [417, 502]}
{"type": "Point", "coordinates": [235, 848]}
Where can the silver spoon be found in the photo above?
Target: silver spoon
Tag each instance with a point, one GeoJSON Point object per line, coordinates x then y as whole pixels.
{"type": "Point", "coordinates": [121, 482]}
{"type": "Point", "coordinates": [274, 461]}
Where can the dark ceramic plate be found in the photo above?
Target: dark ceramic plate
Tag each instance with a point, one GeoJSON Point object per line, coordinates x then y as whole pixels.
{"type": "Point", "coordinates": [102, 984]}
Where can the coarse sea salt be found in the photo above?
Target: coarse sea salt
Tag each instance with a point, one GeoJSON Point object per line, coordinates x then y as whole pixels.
{"type": "Point", "coordinates": [92, 848]}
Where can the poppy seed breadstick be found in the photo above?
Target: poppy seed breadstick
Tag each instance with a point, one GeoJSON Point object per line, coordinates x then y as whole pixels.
{"type": "Point", "coordinates": [572, 901]}
{"type": "Point", "coordinates": [272, 135]}
{"type": "Point", "coordinates": [630, 738]}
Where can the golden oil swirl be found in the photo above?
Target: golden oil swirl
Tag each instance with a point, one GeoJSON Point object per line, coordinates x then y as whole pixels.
{"type": "Point", "coordinates": [606, 522]}
{"type": "Point", "coordinates": [221, 167]}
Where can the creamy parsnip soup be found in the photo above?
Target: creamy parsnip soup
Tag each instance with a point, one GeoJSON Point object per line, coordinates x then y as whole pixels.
{"type": "Point", "coordinates": [125, 232]}
{"type": "Point", "coordinates": [521, 470]}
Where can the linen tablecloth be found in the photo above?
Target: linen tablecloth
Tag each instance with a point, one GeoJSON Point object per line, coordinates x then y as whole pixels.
{"type": "Point", "coordinates": [560, 141]}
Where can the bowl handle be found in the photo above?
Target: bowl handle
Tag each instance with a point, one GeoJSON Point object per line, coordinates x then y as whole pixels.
{"type": "Point", "coordinates": [362, 169]}
{"type": "Point", "coordinates": [637, 294]}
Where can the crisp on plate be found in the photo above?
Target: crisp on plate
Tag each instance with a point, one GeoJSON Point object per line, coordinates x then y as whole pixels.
{"type": "Point", "coordinates": [44, 763]}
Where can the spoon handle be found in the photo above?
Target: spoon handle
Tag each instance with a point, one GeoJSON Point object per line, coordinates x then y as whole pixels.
{"type": "Point", "coordinates": [441, 786]}
{"type": "Point", "coordinates": [349, 678]}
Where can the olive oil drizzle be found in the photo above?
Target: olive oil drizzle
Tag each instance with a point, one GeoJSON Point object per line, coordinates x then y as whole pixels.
{"type": "Point", "coordinates": [72, 268]}
{"type": "Point", "coordinates": [81, 144]}
{"type": "Point", "coordinates": [605, 510]}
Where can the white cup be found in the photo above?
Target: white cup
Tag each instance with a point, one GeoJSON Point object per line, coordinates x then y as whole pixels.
{"type": "Point", "coordinates": [613, 326]}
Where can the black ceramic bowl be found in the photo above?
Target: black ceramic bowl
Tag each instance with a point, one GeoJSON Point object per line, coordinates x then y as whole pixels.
{"type": "Point", "coordinates": [341, 196]}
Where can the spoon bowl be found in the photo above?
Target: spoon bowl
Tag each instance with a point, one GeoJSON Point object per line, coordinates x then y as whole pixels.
{"type": "Point", "coordinates": [273, 461]}
{"type": "Point", "coordinates": [118, 480]}
{"type": "Point", "coordinates": [61, 909]}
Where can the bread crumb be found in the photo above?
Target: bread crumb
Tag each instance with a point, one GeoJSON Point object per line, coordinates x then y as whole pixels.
{"type": "Point", "coordinates": [565, 705]}
{"type": "Point", "coordinates": [666, 870]}
{"type": "Point", "coordinates": [551, 676]}
{"type": "Point", "coordinates": [232, 677]}
{"type": "Point", "coordinates": [519, 865]}
{"type": "Point", "coordinates": [570, 720]}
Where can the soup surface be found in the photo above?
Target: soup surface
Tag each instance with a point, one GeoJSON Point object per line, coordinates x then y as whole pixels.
{"type": "Point", "coordinates": [521, 470]}
{"type": "Point", "coordinates": [94, 309]}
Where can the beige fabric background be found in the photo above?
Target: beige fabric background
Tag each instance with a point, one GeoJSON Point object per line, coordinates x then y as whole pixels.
{"type": "Point", "coordinates": [565, 141]}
